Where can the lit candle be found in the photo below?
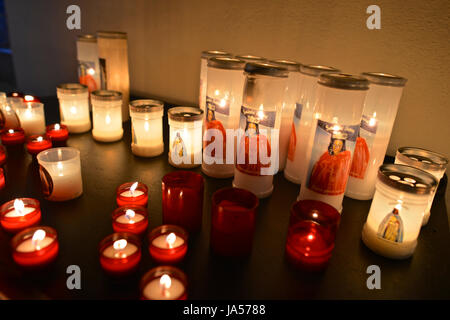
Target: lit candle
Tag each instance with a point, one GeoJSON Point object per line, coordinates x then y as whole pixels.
{"type": "Point", "coordinates": [13, 137]}
{"type": "Point", "coordinates": [164, 283]}
{"type": "Point", "coordinates": [132, 193]}
{"type": "Point", "coordinates": [168, 244]}
{"type": "Point", "coordinates": [74, 106]}
{"type": "Point", "coordinates": [32, 117]}
{"type": "Point", "coordinates": [30, 98]}
{"type": "Point", "coordinates": [38, 143]}
{"type": "Point", "coordinates": [130, 218]}
{"type": "Point", "coordinates": [18, 214]}
{"type": "Point", "coordinates": [107, 115]}
{"type": "Point", "coordinates": [120, 253]}
{"type": "Point", "coordinates": [58, 133]}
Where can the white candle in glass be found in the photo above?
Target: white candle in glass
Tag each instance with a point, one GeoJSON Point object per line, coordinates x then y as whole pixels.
{"type": "Point", "coordinates": [74, 106]}
{"type": "Point", "coordinates": [130, 217]}
{"type": "Point", "coordinates": [120, 249]}
{"type": "Point", "coordinates": [168, 241]}
{"type": "Point", "coordinates": [32, 117]}
{"type": "Point", "coordinates": [107, 115]}
{"type": "Point", "coordinates": [164, 288]}
{"type": "Point", "coordinates": [19, 210]}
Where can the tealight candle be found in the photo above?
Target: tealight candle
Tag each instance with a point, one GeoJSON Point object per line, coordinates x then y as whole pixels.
{"type": "Point", "coordinates": [30, 98]}
{"type": "Point", "coordinates": [35, 247]}
{"type": "Point", "coordinates": [130, 218]}
{"type": "Point", "coordinates": [19, 214]}
{"type": "Point", "coordinates": [164, 283]}
{"type": "Point", "coordinates": [32, 117]}
{"type": "Point", "coordinates": [2, 179]}
{"type": "Point", "coordinates": [74, 106]}
{"type": "Point", "coordinates": [58, 133]}
{"type": "Point", "coordinates": [60, 171]}
{"type": "Point", "coordinates": [2, 155]}
{"type": "Point", "coordinates": [107, 115]}
{"type": "Point", "coordinates": [132, 193]}
{"type": "Point", "coordinates": [38, 143]}
{"type": "Point", "coordinates": [168, 244]}
{"type": "Point", "coordinates": [396, 214]}
{"type": "Point", "coordinates": [120, 253]}
{"type": "Point", "coordinates": [13, 137]}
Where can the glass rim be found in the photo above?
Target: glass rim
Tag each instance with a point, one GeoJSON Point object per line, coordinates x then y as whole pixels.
{"type": "Point", "coordinates": [71, 88]}
{"type": "Point", "coordinates": [146, 106]}
{"type": "Point", "coordinates": [175, 177]}
{"type": "Point", "coordinates": [437, 160]}
{"type": "Point", "coordinates": [291, 65]}
{"type": "Point", "coordinates": [185, 114]}
{"type": "Point", "coordinates": [215, 53]}
{"type": "Point", "coordinates": [54, 150]}
{"type": "Point", "coordinates": [327, 212]}
{"type": "Point", "coordinates": [111, 238]}
{"type": "Point", "coordinates": [106, 95]}
{"type": "Point", "coordinates": [316, 70]}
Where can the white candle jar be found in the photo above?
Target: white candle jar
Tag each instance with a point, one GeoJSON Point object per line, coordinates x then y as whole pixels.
{"type": "Point", "coordinates": [204, 73]}
{"type": "Point", "coordinates": [32, 117]}
{"type": "Point", "coordinates": [107, 115]}
{"type": "Point", "coordinates": [74, 107]}
{"type": "Point", "coordinates": [295, 168]}
{"type": "Point", "coordinates": [60, 171]}
{"type": "Point", "coordinates": [185, 136]}
{"type": "Point", "coordinates": [426, 160]}
{"type": "Point", "coordinates": [258, 139]}
{"type": "Point", "coordinates": [335, 127]}
{"type": "Point", "coordinates": [88, 62]}
{"type": "Point", "coordinates": [395, 216]}
{"type": "Point", "coordinates": [146, 127]}
{"type": "Point", "coordinates": [223, 107]}
{"type": "Point", "coordinates": [380, 110]}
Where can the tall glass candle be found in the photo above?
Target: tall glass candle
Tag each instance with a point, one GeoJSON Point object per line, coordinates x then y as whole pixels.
{"type": "Point", "coordinates": [147, 127]}
{"type": "Point", "coordinates": [32, 117]}
{"type": "Point", "coordinates": [257, 143]}
{"type": "Point", "coordinates": [164, 283]}
{"type": "Point", "coordinates": [88, 62]}
{"type": "Point", "coordinates": [19, 214]}
{"type": "Point", "coordinates": [302, 121]}
{"type": "Point", "coordinates": [185, 137]}
{"type": "Point", "coordinates": [107, 115]}
{"type": "Point", "coordinates": [429, 161]}
{"type": "Point", "coordinates": [223, 106]}
{"type": "Point", "coordinates": [380, 109]}
{"type": "Point", "coordinates": [74, 106]}
{"type": "Point", "coordinates": [60, 171]}
{"type": "Point", "coordinates": [340, 100]}
{"type": "Point", "coordinates": [396, 214]}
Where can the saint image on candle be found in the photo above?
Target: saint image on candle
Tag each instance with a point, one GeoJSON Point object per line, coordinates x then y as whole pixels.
{"type": "Point", "coordinates": [391, 227]}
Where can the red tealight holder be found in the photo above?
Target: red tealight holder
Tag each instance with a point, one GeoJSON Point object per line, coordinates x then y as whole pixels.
{"type": "Point", "coordinates": [120, 254]}
{"type": "Point", "coordinates": [58, 134]}
{"type": "Point", "coordinates": [19, 214]}
{"type": "Point", "coordinates": [35, 247]}
{"type": "Point", "coordinates": [233, 221]}
{"type": "Point", "coordinates": [30, 98]}
{"type": "Point", "coordinates": [130, 218]}
{"type": "Point", "coordinates": [2, 155]}
{"type": "Point", "coordinates": [311, 235]}
{"type": "Point", "coordinates": [13, 137]}
{"type": "Point", "coordinates": [182, 199]}
{"type": "Point", "coordinates": [164, 283]}
{"type": "Point", "coordinates": [132, 193]}
{"type": "Point", "coordinates": [38, 143]}
{"type": "Point", "coordinates": [2, 179]}
{"type": "Point", "coordinates": [168, 244]}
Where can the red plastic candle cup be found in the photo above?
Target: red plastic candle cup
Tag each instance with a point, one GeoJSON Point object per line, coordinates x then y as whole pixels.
{"type": "Point", "coordinates": [35, 247]}
{"type": "Point", "coordinates": [311, 235]}
{"type": "Point", "coordinates": [13, 137]}
{"type": "Point", "coordinates": [2, 179]}
{"type": "Point", "coordinates": [130, 218]}
{"type": "Point", "coordinates": [58, 133]}
{"type": "Point", "coordinates": [168, 244]}
{"type": "Point", "coordinates": [164, 283]}
{"type": "Point", "coordinates": [2, 155]}
{"type": "Point", "coordinates": [30, 98]}
{"type": "Point", "coordinates": [19, 214]}
{"type": "Point", "coordinates": [233, 221]}
{"type": "Point", "coordinates": [38, 143]}
{"type": "Point", "coordinates": [182, 199]}
{"type": "Point", "coordinates": [120, 254]}
{"type": "Point", "coordinates": [132, 193]}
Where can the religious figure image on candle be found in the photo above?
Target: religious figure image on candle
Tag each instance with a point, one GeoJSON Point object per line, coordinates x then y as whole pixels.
{"type": "Point", "coordinates": [213, 110]}
{"type": "Point", "coordinates": [178, 147]}
{"type": "Point", "coordinates": [293, 137]}
{"type": "Point", "coordinates": [364, 143]}
{"type": "Point", "coordinates": [86, 72]}
{"type": "Point", "coordinates": [391, 228]}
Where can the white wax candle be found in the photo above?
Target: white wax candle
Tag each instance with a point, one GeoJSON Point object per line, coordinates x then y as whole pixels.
{"type": "Point", "coordinates": [75, 114]}
{"type": "Point", "coordinates": [154, 290]}
{"type": "Point", "coordinates": [130, 220]}
{"type": "Point", "coordinates": [164, 242]}
{"type": "Point", "coordinates": [147, 137]}
{"type": "Point", "coordinates": [112, 253]}
{"type": "Point", "coordinates": [67, 181]}
{"type": "Point", "coordinates": [132, 194]}
{"type": "Point", "coordinates": [107, 123]}
{"type": "Point", "coordinates": [30, 246]}
{"type": "Point", "coordinates": [31, 120]}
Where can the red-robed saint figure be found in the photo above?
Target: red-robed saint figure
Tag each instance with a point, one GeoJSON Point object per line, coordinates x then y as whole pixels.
{"type": "Point", "coordinates": [360, 160]}
{"type": "Point", "coordinates": [212, 123]}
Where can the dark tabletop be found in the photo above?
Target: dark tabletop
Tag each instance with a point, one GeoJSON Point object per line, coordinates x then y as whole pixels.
{"type": "Point", "coordinates": [82, 223]}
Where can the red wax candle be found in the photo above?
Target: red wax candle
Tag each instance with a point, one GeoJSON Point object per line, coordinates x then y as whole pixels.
{"type": "Point", "coordinates": [164, 283]}
{"type": "Point", "coordinates": [168, 244]}
{"type": "Point", "coordinates": [2, 155]}
{"type": "Point", "coordinates": [2, 179]}
{"type": "Point", "coordinates": [12, 137]}
{"type": "Point", "coordinates": [35, 247]}
{"type": "Point", "coordinates": [120, 253]}
{"type": "Point", "coordinates": [130, 218]}
{"type": "Point", "coordinates": [132, 193]}
{"type": "Point", "coordinates": [30, 98]}
{"type": "Point", "coordinates": [19, 214]}
{"type": "Point", "coordinates": [38, 143]}
{"type": "Point", "coordinates": [58, 133]}
{"type": "Point", "coordinates": [311, 235]}
{"type": "Point", "coordinates": [182, 199]}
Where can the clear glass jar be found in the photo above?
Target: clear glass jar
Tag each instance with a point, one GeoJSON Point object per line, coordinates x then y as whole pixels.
{"type": "Point", "coordinates": [88, 62]}
{"type": "Point", "coordinates": [396, 214]}
{"type": "Point", "coordinates": [107, 115]}
{"type": "Point", "coordinates": [32, 117]}
{"type": "Point", "coordinates": [380, 110]}
{"type": "Point", "coordinates": [74, 106]}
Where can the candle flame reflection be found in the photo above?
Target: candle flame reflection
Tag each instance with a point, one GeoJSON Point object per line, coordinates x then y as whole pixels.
{"type": "Point", "coordinates": [38, 236]}
{"type": "Point", "coordinates": [19, 206]}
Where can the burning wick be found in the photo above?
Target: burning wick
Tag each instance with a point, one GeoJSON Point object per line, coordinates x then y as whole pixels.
{"type": "Point", "coordinates": [91, 71]}
{"type": "Point", "coordinates": [133, 188]}
{"type": "Point", "coordinates": [57, 126]}
{"type": "Point", "coordinates": [129, 214]}
{"type": "Point", "coordinates": [28, 98]}
{"type": "Point", "coordinates": [19, 206]}
{"type": "Point", "coordinates": [11, 131]}
{"type": "Point", "coordinates": [165, 283]}
{"type": "Point", "coordinates": [38, 236]}
{"type": "Point", "coordinates": [119, 245]}
{"type": "Point", "coordinates": [39, 139]}
{"type": "Point", "coordinates": [170, 239]}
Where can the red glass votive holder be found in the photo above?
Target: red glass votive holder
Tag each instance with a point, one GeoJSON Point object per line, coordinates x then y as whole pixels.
{"type": "Point", "coordinates": [2, 179]}
{"type": "Point", "coordinates": [233, 221]}
{"type": "Point", "coordinates": [19, 214]}
{"type": "Point", "coordinates": [13, 137]}
{"type": "Point", "coordinates": [38, 143]}
{"type": "Point", "coordinates": [58, 134]}
{"type": "Point", "coordinates": [132, 193]}
{"type": "Point", "coordinates": [120, 253]}
{"type": "Point", "coordinates": [311, 234]}
{"type": "Point", "coordinates": [2, 155]}
{"type": "Point", "coordinates": [182, 199]}
{"type": "Point", "coordinates": [168, 244]}
{"type": "Point", "coordinates": [35, 247]}
{"type": "Point", "coordinates": [130, 218]}
{"type": "Point", "coordinates": [164, 283]}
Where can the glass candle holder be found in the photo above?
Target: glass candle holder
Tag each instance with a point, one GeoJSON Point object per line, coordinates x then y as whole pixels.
{"type": "Point", "coordinates": [88, 62]}
{"type": "Point", "coordinates": [340, 100]}
{"type": "Point", "coordinates": [19, 214]}
{"type": "Point", "coordinates": [2, 155]}
{"type": "Point", "coordinates": [251, 58]}
{"type": "Point", "coordinates": [32, 117]}
{"type": "Point", "coordinates": [8, 115]}
{"type": "Point", "coordinates": [164, 283]}
{"type": "Point", "coordinates": [185, 137]}
{"type": "Point", "coordinates": [311, 234]}
{"type": "Point", "coordinates": [426, 160]}
{"type": "Point", "coordinates": [38, 143]}
{"type": "Point", "coordinates": [107, 115]}
{"type": "Point", "coordinates": [2, 179]}
{"type": "Point", "coordinates": [120, 254]}
{"type": "Point", "coordinates": [58, 133]}
{"type": "Point", "coordinates": [380, 109]}
{"type": "Point", "coordinates": [396, 214]}
{"type": "Point", "coordinates": [233, 215]}
{"type": "Point", "coordinates": [182, 199]}
{"type": "Point", "coordinates": [130, 218]}
{"type": "Point", "coordinates": [147, 127]}
{"type": "Point", "coordinates": [204, 74]}
{"type": "Point", "coordinates": [258, 139]}
{"type": "Point", "coordinates": [13, 137]}
{"type": "Point", "coordinates": [295, 168]}
{"type": "Point", "coordinates": [60, 171]}
{"type": "Point", "coordinates": [74, 106]}
{"type": "Point", "coordinates": [35, 248]}
{"type": "Point", "coordinates": [168, 244]}
{"type": "Point", "coordinates": [132, 193]}
{"type": "Point", "coordinates": [223, 106]}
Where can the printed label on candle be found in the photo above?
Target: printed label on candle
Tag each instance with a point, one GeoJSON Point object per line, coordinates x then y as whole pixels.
{"type": "Point", "coordinates": [217, 111]}
{"type": "Point", "coordinates": [86, 72]}
{"type": "Point", "coordinates": [179, 148]}
{"type": "Point", "coordinates": [46, 181]}
{"type": "Point", "coordinates": [221, 106]}
{"type": "Point", "coordinates": [391, 228]}
{"type": "Point", "coordinates": [364, 142]}
{"type": "Point", "coordinates": [331, 157]}
{"type": "Point", "coordinates": [295, 124]}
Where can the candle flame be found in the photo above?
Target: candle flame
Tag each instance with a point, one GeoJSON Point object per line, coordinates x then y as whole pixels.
{"type": "Point", "coordinates": [91, 71]}
{"type": "Point", "coordinates": [57, 126]}
{"type": "Point", "coordinates": [28, 98]}
{"type": "Point", "coordinates": [165, 281]}
{"type": "Point", "coordinates": [217, 92]}
{"type": "Point", "coordinates": [146, 126]}
{"type": "Point", "coordinates": [38, 236]}
{"type": "Point", "coordinates": [108, 119]}
{"type": "Point", "coordinates": [19, 206]}
{"type": "Point", "coordinates": [223, 102]}
{"type": "Point", "coordinates": [11, 130]}
{"type": "Point", "coordinates": [120, 244]}
{"type": "Point", "coordinates": [170, 239]}
{"type": "Point", "coordinates": [8, 108]}
{"type": "Point", "coordinates": [129, 214]}
{"type": "Point", "coordinates": [133, 187]}
{"type": "Point", "coordinates": [39, 139]}
{"type": "Point", "coordinates": [73, 110]}
{"type": "Point", "coordinates": [261, 112]}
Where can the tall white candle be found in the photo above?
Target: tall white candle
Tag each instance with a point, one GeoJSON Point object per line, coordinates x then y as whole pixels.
{"type": "Point", "coordinates": [32, 117]}
{"type": "Point", "coordinates": [74, 106]}
{"type": "Point", "coordinates": [107, 115]}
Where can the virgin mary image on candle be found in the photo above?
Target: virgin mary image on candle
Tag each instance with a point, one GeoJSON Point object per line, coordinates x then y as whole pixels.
{"type": "Point", "coordinates": [391, 228]}
{"type": "Point", "coordinates": [178, 147]}
{"type": "Point", "coordinates": [213, 123]}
